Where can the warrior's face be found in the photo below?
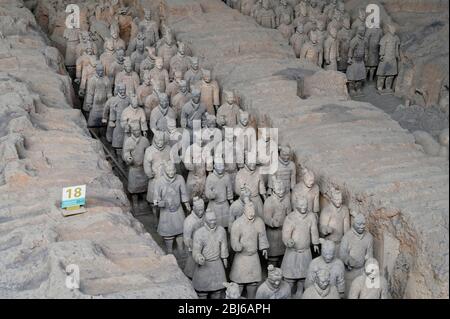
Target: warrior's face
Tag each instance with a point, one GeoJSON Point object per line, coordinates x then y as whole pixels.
{"type": "Point", "coordinates": [249, 212]}
{"type": "Point", "coordinates": [243, 118]}
{"type": "Point", "coordinates": [120, 56]}
{"type": "Point", "coordinates": [285, 155]}
{"type": "Point", "coordinates": [309, 180]}
{"type": "Point", "coordinates": [109, 45]}
{"type": "Point", "coordinates": [148, 15]}
{"type": "Point", "coordinates": [301, 205]}
{"type": "Point", "coordinates": [211, 220]}
{"type": "Point", "coordinates": [159, 141]}
{"type": "Point", "coordinates": [372, 270]}
{"type": "Point", "coordinates": [230, 98]}
{"type": "Point", "coordinates": [134, 103]}
{"type": "Point", "coordinates": [140, 46]}
{"type": "Point", "coordinates": [159, 63]}
{"type": "Point", "coordinates": [336, 198]}
{"type": "Point", "coordinates": [194, 65]}
{"type": "Point", "coordinates": [114, 34]}
{"type": "Point", "coordinates": [89, 51]}
{"type": "Point", "coordinates": [219, 168]}
{"type": "Point", "coordinates": [181, 49]}
{"type": "Point", "coordinates": [164, 102]}
{"type": "Point", "coordinates": [328, 253]}
{"type": "Point", "coordinates": [359, 225]}
{"type": "Point", "coordinates": [136, 132]}
{"type": "Point", "coordinates": [207, 77]}
{"type": "Point", "coordinates": [170, 170]}
{"type": "Point", "coordinates": [279, 189]}
{"type": "Point", "coordinates": [147, 79]}
{"type": "Point", "coordinates": [199, 209]}
{"type": "Point", "coordinates": [183, 87]}
{"type": "Point", "coordinates": [274, 280]}
{"type": "Point", "coordinates": [323, 280]}
{"type": "Point", "coordinates": [196, 97]}
{"type": "Point", "coordinates": [128, 68]}
{"type": "Point", "coordinates": [100, 72]}
{"type": "Point", "coordinates": [346, 23]}
{"type": "Point", "coordinates": [122, 91]}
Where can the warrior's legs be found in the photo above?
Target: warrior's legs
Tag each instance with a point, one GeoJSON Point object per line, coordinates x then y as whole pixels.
{"type": "Point", "coordinates": [169, 244]}
{"type": "Point", "coordinates": [216, 294]}
{"type": "Point", "coordinates": [291, 282]}
{"type": "Point", "coordinates": [351, 87]}
{"type": "Point", "coordinates": [300, 287]}
{"type": "Point", "coordinates": [180, 243]}
{"type": "Point", "coordinates": [389, 83]}
{"type": "Point", "coordinates": [251, 290]}
{"type": "Point", "coordinates": [372, 73]}
{"type": "Point", "coordinates": [380, 83]}
{"type": "Point", "coordinates": [135, 201]}
{"type": "Point", "coordinates": [202, 295]}
{"type": "Point", "coordinates": [274, 260]}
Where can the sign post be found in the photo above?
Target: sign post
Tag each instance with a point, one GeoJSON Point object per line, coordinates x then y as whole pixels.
{"type": "Point", "coordinates": [73, 200]}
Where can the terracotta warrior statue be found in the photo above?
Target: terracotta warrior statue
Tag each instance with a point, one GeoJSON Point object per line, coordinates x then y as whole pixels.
{"type": "Point", "coordinates": [151, 102]}
{"type": "Point", "coordinates": [276, 208]}
{"type": "Point", "coordinates": [108, 57]}
{"type": "Point", "coordinates": [194, 74]}
{"type": "Point", "coordinates": [250, 177]}
{"type": "Point", "coordinates": [139, 38]}
{"type": "Point", "coordinates": [219, 192]}
{"type": "Point", "coordinates": [192, 111]}
{"type": "Point", "coordinates": [356, 248]}
{"type": "Point", "coordinates": [149, 62]}
{"type": "Point", "coordinates": [301, 13]}
{"type": "Point", "coordinates": [232, 291]}
{"type": "Point", "coordinates": [154, 158]}
{"type": "Point", "coordinates": [298, 39]}
{"type": "Point", "coordinates": [210, 92]}
{"type": "Point", "coordinates": [344, 37]}
{"type": "Point", "coordinates": [133, 154]}
{"type": "Point", "coordinates": [286, 27]}
{"type": "Point", "coordinates": [167, 49]}
{"type": "Point", "coordinates": [370, 285]}
{"type": "Point", "coordinates": [283, 9]}
{"type": "Point", "coordinates": [311, 51]}
{"type": "Point", "coordinates": [117, 66]}
{"type": "Point", "coordinates": [322, 287]}
{"type": "Point", "coordinates": [158, 73]}
{"type": "Point", "coordinates": [274, 287]}
{"type": "Point", "coordinates": [117, 104]}
{"type": "Point", "coordinates": [247, 7]}
{"type": "Point", "coordinates": [389, 57]}
{"type": "Point", "coordinates": [373, 37]}
{"type": "Point", "coordinates": [170, 192]}
{"type": "Point", "coordinates": [85, 69]}
{"type": "Point", "coordinates": [298, 233]}
{"type": "Point", "coordinates": [331, 50]}
{"type": "Point", "coordinates": [309, 190]}
{"type": "Point", "coordinates": [179, 62]}
{"type": "Point", "coordinates": [248, 235]}
{"type": "Point", "coordinates": [265, 16]}
{"type": "Point", "coordinates": [237, 208]}
{"type": "Point", "coordinates": [138, 55]}
{"type": "Point", "coordinates": [144, 90]}
{"type": "Point", "coordinates": [360, 21]}
{"type": "Point", "coordinates": [180, 99]}
{"type": "Point", "coordinates": [134, 116]}
{"type": "Point", "coordinates": [195, 163]}
{"type": "Point", "coordinates": [149, 28]}
{"type": "Point", "coordinates": [72, 37]}
{"type": "Point", "coordinates": [98, 91]}
{"type": "Point", "coordinates": [128, 77]}
{"type": "Point", "coordinates": [228, 112]}
{"type": "Point", "coordinates": [210, 253]}
{"type": "Point", "coordinates": [117, 41]}
{"type": "Point", "coordinates": [334, 219]}
{"type": "Point", "coordinates": [327, 260]}
{"type": "Point", "coordinates": [192, 222]}
{"type": "Point", "coordinates": [174, 86]}
{"type": "Point", "coordinates": [356, 70]}
{"type": "Point", "coordinates": [160, 115]}
{"type": "Point", "coordinates": [286, 171]}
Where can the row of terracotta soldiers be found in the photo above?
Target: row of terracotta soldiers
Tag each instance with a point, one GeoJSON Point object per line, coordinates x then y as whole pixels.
{"type": "Point", "coordinates": [320, 33]}
{"type": "Point", "coordinates": [256, 220]}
